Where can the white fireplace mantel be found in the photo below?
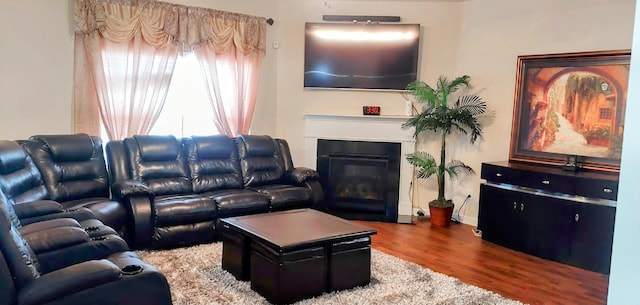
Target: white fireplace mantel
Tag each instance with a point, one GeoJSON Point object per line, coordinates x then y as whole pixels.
{"type": "Point", "coordinates": [365, 128]}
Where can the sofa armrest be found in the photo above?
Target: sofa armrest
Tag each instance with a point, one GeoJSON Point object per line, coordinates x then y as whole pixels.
{"type": "Point", "coordinates": [141, 227]}
{"type": "Point", "coordinates": [131, 188]}
{"type": "Point", "coordinates": [299, 175]}
{"type": "Point", "coordinates": [56, 238]}
{"type": "Point", "coordinates": [37, 208]}
{"type": "Point", "coordinates": [60, 283]}
{"type": "Point", "coordinates": [318, 193]}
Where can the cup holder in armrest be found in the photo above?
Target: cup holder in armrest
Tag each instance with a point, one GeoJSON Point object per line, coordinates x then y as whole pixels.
{"type": "Point", "coordinates": [98, 238]}
{"type": "Point", "coordinates": [92, 229]}
{"type": "Point", "coordinates": [131, 269]}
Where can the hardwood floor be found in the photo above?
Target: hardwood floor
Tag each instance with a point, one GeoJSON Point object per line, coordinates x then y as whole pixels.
{"type": "Point", "coordinates": [457, 252]}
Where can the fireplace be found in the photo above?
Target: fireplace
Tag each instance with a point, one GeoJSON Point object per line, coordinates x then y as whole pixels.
{"type": "Point", "coordinates": [360, 179]}
{"type": "Point", "coordinates": [359, 130]}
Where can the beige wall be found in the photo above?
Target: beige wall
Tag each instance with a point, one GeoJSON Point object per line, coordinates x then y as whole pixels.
{"type": "Point", "coordinates": [481, 38]}
{"type": "Point", "coordinates": [36, 66]}
{"type": "Point", "coordinates": [494, 32]}
{"type": "Point", "coordinates": [440, 27]}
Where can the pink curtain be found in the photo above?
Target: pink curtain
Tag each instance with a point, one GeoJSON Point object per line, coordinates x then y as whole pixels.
{"type": "Point", "coordinates": [132, 79]}
{"type": "Point", "coordinates": [232, 82]}
{"type": "Point", "coordinates": [126, 52]}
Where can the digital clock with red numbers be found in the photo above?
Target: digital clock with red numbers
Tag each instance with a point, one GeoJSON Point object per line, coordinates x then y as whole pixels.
{"type": "Point", "coordinates": [371, 110]}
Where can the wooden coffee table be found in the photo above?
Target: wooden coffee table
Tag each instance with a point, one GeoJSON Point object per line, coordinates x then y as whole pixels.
{"type": "Point", "coordinates": [297, 254]}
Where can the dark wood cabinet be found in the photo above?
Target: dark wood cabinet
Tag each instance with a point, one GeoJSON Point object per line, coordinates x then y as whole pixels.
{"type": "Point", "coordinates": [544, 212]}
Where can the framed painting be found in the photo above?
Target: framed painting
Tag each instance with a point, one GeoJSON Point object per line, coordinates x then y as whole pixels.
{"type": "Point", "coordinates": [570, 107]}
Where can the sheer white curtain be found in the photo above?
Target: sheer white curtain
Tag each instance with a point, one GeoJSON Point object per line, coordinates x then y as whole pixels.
{"type": "Point", "coordinates": [232, 83]}
{"type": "Point", "coordinates": [132, 80]}
{"type": "Point", "coordinates": [128, 50]}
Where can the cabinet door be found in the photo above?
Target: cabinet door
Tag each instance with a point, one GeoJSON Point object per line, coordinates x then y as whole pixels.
{"type": "Point", "coordinates": [547, 226]}
{"type": "Point", "coordinates": [499, 217]}
{"type": "Point", "coordinates": [592, 237]}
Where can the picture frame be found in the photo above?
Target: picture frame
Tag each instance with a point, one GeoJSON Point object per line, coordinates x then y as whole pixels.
{"type": "Point", "coordinates": [570, 104]}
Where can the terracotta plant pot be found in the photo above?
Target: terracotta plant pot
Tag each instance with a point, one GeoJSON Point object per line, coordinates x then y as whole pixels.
{"type": "Point", "coordinates": [441, 217]}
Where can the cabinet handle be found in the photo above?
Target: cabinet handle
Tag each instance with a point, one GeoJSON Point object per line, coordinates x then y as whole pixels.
{"type": "Point", "coordinates": [577, 218]}
{"type": "Point", "coordinates": [515, 205]}
{"type": "Point", "coordinates": [607, 190]}
{"type": "Point", "coordinates": [547, 182]}
{"type": "Point", "coordinates": [522, 207]}
{"type": "Point", "coordinates": [498, 175]}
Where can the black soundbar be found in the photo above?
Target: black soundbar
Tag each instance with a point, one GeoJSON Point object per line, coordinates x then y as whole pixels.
{"type": "Point", "coordinates": [350, 18]}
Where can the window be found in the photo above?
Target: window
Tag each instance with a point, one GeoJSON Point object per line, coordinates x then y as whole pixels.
{"type": "Point", "coordinates": [187, 110]}
{"type": "Point", "coordinates": [606, 113]}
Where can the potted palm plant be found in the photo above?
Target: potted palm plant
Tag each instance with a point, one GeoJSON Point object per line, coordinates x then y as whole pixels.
{"type": "Point", "coordinates": [440, 116]}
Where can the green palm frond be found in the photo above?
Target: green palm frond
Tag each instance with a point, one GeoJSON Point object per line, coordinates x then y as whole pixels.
{"type": "Point", "coordinates": [438, 116]}
{"type": "Point", "coordinates": [423, 93]}
{"type": "Point", "coordinates": [456, 84]}
{"type": "Point", "coordinates": [425, 162]}
{"type": "Point", "coordinates": [471, 103]}
{"type": "Point", "coordinates": [456, 167]}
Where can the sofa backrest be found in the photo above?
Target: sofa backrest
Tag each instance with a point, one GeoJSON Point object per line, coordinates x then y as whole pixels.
{"type": "Point", "coordinates": [20, 179]}
{"type": "Point", "coordinates": [72, 166]}
{"type": "Point", "coordinates": [213, 163]}
{"type": "Point", "coordinates": [159, 162]}
{"type": "Point", "coordinates": [285, 153]}
{"type": "Point", "coordinates": [260, 160]}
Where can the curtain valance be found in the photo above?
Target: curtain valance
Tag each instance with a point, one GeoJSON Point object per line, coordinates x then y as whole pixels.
{"type": "Point", "coordinates": [161, 23]}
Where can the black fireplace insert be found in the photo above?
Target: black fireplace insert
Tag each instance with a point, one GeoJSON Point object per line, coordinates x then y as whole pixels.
{"type": "Point", "coordinates": [361, 179]}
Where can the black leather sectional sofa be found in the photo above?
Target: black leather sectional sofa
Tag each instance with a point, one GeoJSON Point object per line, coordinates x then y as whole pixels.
{"type": "Point", "coordinates": [177, 190]}
{"type": "Point", "coordinates": [158, 191]}
{"type": "Point", "coordinates": [68, 206]}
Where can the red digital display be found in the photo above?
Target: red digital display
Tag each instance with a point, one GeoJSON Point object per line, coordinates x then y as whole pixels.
{"type": "Point", "coordinates": [371, 110]}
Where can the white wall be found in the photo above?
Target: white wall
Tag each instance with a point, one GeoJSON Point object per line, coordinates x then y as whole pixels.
{"type": "Point", "coordinates": [36, 66]}
{"type": "Point", "coordinates": [625, 266]}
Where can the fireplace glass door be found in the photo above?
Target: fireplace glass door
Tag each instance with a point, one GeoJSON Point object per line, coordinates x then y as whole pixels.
{"type": "Point", "coordinates": [358, 183]}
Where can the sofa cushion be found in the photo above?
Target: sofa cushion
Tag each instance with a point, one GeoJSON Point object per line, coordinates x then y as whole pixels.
{"type": "Point", "coordinates": [110, 212]}
{"type": "Point", "coordinates": [213, 161]}
{"type": "Point", "coordinates": [157, 148]}
{"type": "Point", "coordinates": [20, 179]}
{"type": "Point", "coordinates": [238, 202]}
{"type": "Point", "coordinates": [72, 166]}
{"type": "Point", "coordinates": [59, 147]}
{"type": "Point", "coordinates": [284, 197]}
{"type": "Point", "coordinates": [158, 162]}
{"type": "Point", "coordinates": [174, 210]}
{"type": "Point", "coordinates": [260, 160]}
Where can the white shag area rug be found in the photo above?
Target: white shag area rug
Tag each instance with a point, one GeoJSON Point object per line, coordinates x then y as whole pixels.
{"type": "Point", "coordinates": [197, 278]}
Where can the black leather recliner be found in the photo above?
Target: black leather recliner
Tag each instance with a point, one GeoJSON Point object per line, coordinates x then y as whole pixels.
{"type": "Point", "coordinates": [74, 173]}
{"type": "Point", "coordinates": [175, 216]}
{"type": "Point", "coordinates": [22, 184]}
{"type": "Point", "coordinates": [263, 170]}
{"type": "Point", "coordinates": [216, 174]}
{"type": "Point", "coordinates": [178, 190]}
{"type": "Point", "coordinates": [120, 279]}
{"type": "Point", "coordinates": [62, 242]}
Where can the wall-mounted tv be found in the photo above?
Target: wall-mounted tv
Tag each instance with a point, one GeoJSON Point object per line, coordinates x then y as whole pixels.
{"type": "Point", "coordinates": [360, 56]}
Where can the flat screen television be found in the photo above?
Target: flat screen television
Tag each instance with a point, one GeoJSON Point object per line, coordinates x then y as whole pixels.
{"type": "Point", "coordinates": [360, 56]}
